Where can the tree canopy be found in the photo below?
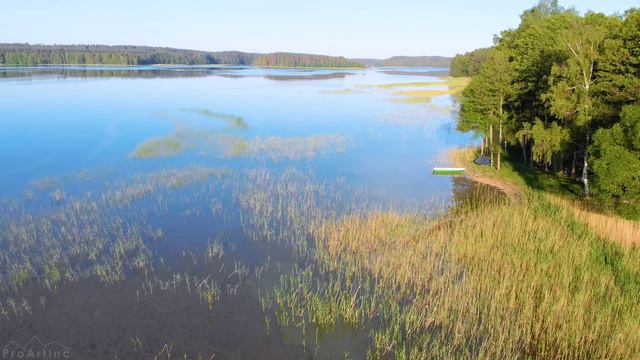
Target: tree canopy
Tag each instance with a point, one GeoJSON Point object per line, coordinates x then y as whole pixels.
{"type": "Point", "coordinates": [570, 86]}
{"type": "Point", "coordinates": [470, 63]}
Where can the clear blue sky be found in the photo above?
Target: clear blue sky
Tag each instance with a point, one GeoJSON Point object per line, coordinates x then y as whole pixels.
{"type": "Point", "coordinates": [353, 28]}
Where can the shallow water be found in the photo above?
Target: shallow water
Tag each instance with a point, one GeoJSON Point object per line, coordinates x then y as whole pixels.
{"type": "Point", "coordinates": [120, 183]}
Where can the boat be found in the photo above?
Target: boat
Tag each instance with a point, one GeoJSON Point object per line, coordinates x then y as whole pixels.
{"type": "Point", "coordinates": [448, 171]}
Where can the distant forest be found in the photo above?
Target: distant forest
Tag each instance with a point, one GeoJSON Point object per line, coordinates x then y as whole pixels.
{"type": "Point", "coordinates": [30, 55]}
{"type": "Point", "coordinates": [412, 61]}
{"type": "Point", "coordinates": [304, 60]}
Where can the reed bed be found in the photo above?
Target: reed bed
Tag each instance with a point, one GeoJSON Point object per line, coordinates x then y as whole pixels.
{"type": "Point", "coordinates": [495, 280]}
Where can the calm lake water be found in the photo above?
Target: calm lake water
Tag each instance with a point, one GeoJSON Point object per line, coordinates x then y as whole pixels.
{"type": "Point", "coordinates": [146, 211]}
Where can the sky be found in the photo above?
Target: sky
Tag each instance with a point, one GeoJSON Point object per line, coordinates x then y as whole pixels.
{"type": "Point", "coordinates": [351, 28]}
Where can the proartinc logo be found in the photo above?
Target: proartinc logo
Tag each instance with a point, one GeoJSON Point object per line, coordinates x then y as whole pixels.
{"type": "Point", "coordinates": [35, 349]}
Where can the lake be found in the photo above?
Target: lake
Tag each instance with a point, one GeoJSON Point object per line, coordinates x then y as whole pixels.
{"type": "Point", "coordinates": [156, 212]}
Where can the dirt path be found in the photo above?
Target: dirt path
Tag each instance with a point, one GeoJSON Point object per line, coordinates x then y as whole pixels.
{"type": "Point", "coordinates": [513, 192]}
{"type": "Point", "coordinates": [461, 159]}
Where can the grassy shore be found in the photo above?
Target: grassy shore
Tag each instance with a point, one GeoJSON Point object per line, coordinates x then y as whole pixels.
{"type": "Point", "coordinates": [516, 179]}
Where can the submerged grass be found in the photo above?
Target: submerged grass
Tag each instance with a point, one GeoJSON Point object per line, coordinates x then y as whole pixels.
{"type": "Point", "coordinates": [277, 148]}
{"type": "Point", "coordinates": [102, 234]}
{"type": "Point", "coordinates": [341, 92]}
{"type": "Point", "coordinates": [419, 96]}
{"type": "Point", "coordinates": [233, 120]}
{"type": "Point", "coordinates": [183, 139]}
{"type": "Point", "coordinates": [227, 145]}
{"type": "Point", "coordinates": [452, 86]}
{"type": "Point", "coordinates": [452, 82]}
{"type": "Point", "coordinates": [159, 148]}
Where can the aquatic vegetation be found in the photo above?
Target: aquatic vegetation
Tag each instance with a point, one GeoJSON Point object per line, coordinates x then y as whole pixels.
{"type": "Point", "coordinates": [215, 250]}
{"type": "Point", "coordinates": [47, 182]}
{"type": "Point", "coordinates": [419, 96]}
{"type": "Point", "coordinates": [184, 138]}
{"type": "Point", "coordinates": [159, 148]}
{"type": "Point", "coordinates": [402, 85]}
{"type": "Point", "coordinates": [286, 148]}
{"type": "Point", "coordinates": [51, 182]}
{"type": "Point", "coordinates": [234, 121]}
{"type": "Point", "coordinates": [445, 86]}
{"type": "Point", "coordinates": [465, 285]}
{"type": "Point", "coordinates": [269, 148]}
{"type": "Point", "coordinates": [103, 235]}
{"type": "Point", "coordinates": [58, 196]}
{"type": "Point", "coordinates": [453, 83]}
{"type": "Point", "coordinates": [209, 292]}
{"type": "Point", "coordinates": [14, 308]}
{"type": "Point", "coordinates": [341, 92]}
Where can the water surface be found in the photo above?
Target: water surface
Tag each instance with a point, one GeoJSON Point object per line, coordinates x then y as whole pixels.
{"type": "Point", "coordinates": [147, 210]}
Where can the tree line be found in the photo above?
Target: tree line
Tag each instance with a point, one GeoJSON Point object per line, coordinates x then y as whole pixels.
{"type": "Point", "coordinates": [304, 60]}
{"type": "Point", "coordinates": [34, 55]}
{"type": "Point", "coordinates": [408, 61]}
{"type": "Point", "coordinates": [561, 92]}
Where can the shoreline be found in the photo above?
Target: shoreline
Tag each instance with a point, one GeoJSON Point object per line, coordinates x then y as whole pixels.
{"type": "Point", "coordinates": [607, 226]}
{"type": "Point", "coordinates": [463, 157]}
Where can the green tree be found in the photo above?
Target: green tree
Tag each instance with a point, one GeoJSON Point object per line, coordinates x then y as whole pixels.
{"type": "Point", "coordinates": [548, 141]}
{"type": "Point", "coordinates": [616, 164]}
{"type": "Point", "coordinates": [618, 68]}
{"type": "Point", "coordinates": [570, 93]}
{"type": "Point", "coordinates": [524, 137]}
{"type": "Point", "coordinates": [470, 63]}
{"type": "Point", "coordinates": [484, 101]}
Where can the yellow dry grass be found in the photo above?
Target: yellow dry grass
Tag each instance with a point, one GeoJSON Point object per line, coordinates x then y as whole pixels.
{"type": "Point", "coordinates": [507, 280]}
{"type": "Point", "coordinates": [614, 228]}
